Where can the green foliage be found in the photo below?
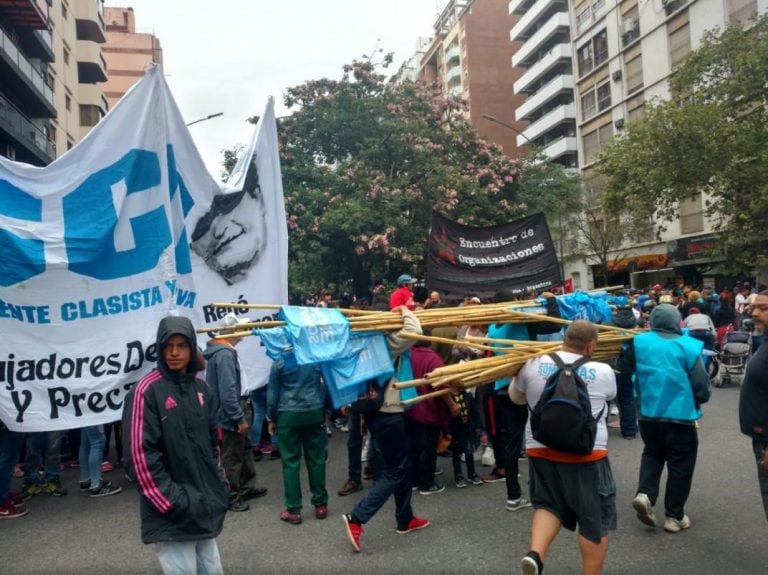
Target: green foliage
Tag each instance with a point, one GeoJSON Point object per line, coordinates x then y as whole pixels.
{"type": "Point", "coordinates": [364, 163]}
{"type": "Point", "coordinates": [711, 137]}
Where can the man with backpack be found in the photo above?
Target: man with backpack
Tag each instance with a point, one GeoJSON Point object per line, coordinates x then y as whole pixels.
{"type": "Point", "coordinates": [566, 441]}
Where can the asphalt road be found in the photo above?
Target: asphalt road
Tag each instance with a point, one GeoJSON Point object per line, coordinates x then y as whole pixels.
{"type": "Point", "coordinates": [470, 533]}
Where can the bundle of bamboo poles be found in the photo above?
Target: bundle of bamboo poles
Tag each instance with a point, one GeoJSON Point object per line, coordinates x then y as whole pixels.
{"type": "Point", "coordinates": [371, 320]}
{"type": "Point", "coordinates": [511, 354]}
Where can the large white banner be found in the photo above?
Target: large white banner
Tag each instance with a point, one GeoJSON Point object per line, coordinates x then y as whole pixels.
{"type": "Point", "coordinates": [93, 253]}
{"type": "Point", "coordinates": [239, 242]}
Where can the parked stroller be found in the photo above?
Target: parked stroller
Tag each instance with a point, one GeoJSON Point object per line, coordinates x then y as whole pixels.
{"type": "Point", "coordinates": [735, 353]}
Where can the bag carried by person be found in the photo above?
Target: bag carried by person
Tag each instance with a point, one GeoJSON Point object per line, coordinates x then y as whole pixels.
{"type": "Point", "coordinates": [562, 419]}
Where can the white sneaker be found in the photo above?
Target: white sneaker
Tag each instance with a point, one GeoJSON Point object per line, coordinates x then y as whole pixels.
{"type": "Point", "coordinates": [614, 410]}
{"type": "Point", "coordinates": [515, 504]}
{"type": "Point", "coordinates": [672, 525]}
{"type": "Point", "coordinates": [642, 504]}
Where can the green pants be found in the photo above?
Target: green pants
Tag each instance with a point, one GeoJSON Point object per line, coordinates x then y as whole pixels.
{"type": "Point", "coordinates": [297, 431]}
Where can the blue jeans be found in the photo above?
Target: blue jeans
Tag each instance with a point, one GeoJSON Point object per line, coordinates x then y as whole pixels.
{"type": "Point", "coordinates": [394, 477]}
{"type": "Point", "coordinates": [43, 446]}
{"type": "Point", "coordinates": [259, 403]}
{"type": "Point", "coordinates": [92, 442]}
{"type": "Point", "coordinates": [10, 447]}
{"type": "Point", "coordinates": [189, 557]}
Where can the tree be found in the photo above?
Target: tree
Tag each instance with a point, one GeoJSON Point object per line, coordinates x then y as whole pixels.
{"type": "Point", "coordinates": [711, 136]}
{"type": "Point", "coordinates": [364, 163]}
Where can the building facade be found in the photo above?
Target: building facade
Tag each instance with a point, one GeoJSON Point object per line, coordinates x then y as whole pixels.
{"type": "Point", "coordinates": [50, 63]}
{"type": "Point", "coordinates": [128, 53]}
{"type": "Point", "coordinates": [547, 84]}
{"type": "Point", "coordinates": [469, 56]}
{"type": "Point", "coordinates": [26, 99]}
{"type": "Point", "coordinates": [624, 54]}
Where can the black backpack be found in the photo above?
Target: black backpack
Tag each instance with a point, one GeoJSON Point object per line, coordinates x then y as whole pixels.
{"type": "Point", "coordinates": [562, 419]}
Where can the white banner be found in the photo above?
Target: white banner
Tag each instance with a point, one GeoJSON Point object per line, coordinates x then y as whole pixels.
{"type": "Point", "coordinates": [239, 243]}
{"type": "Point", "coordinates": [94, 253]}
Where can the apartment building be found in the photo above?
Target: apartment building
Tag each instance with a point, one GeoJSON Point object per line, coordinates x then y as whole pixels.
{"type": "Point", "coordinates": [543, 32]}
{"type": "Point", "coordinates": [128, 53]}
{"type": "Point", "coordinates": [625, 52]}
{"type": "Point", "coordinates": [50, 62]}
{"type": "Point", "coordinates": [26, 99]}
{"type": "Point", "coordinates": [469, 56]}
{"type": "Point", "coordinates": [77, 32]}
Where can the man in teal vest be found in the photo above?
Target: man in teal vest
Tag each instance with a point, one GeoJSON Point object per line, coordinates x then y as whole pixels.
{"type": "Point", "coordinates": [671, 383]}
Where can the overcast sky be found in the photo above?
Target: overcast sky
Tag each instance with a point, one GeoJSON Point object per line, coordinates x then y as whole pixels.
{"type": "Point", "coordinates": [229, 56]}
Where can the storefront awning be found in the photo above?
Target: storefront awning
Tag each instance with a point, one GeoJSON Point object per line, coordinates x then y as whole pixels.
{"type": "Point", "coordinates": [634, 263]}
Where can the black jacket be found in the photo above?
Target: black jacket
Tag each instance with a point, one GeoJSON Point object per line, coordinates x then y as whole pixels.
{"type": "Point", "coordinates": [174, 449]}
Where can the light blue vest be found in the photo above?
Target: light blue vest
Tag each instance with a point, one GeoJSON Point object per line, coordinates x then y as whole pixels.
{"type": "Point", "coordinates": [661, 379]}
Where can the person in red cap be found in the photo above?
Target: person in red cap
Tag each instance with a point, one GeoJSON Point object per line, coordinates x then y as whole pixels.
{"type": "Point", "coordinates": [403, 295]}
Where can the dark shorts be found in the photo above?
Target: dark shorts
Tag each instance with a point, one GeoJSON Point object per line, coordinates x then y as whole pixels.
{"type": "Point", "coordinates": [577, 493]}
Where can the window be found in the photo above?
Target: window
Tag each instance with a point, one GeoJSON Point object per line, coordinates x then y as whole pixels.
{"type": "Point", "coordinates": [66, 55]}
{"type": "Point", "coordinates": [679, 32]}
{"type": "Point", "coordinates": [52, 132]}
{"type": "Point", "coordinates": [630, 26]}
{"type": "Point", "coordinates": [593, 53]}
{"type": "Point", "coordinates": [588, 108]}
{"type": "Point", "coordinates": [603, 96]}
{"type": "Point", "coordinates": [586, 63]}
{"type": "Point", "coordinates": [691, 215]}
{"type": "Point", "coordinates": [50, 81]}
{"type": "Point", "coordinates": [741, 12]}
{"type": "Point", "coordinates": [594, 140]}
{"type": "Point", "coordinates": [70, 144]}
{"type": "Point", "coordinates": [635, 108]}
{"type": "Point", "coordinates": [67, 102]}
{"type": "Point", "coordinates": [601, 47]}
{"type": "Point", "coordinates": [583, 18]}
{"type": "Point", "coordinates": [595, 100]}
{"type": "Point", "coordinates": [64, 11]}
{"type": "Point", "coordinates": [634, 73]}
{"type": "Point", "coordinates": [89, 115]}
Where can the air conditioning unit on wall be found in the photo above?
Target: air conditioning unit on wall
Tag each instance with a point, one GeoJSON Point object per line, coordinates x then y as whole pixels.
{"type": "Point", "coordinates": [619, 123]}
{"type": "Point", "coordinates": [616, 75]}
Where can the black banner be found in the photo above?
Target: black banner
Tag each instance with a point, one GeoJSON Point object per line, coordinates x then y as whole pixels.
{"type": "Point", "coordinates": [517, 256]}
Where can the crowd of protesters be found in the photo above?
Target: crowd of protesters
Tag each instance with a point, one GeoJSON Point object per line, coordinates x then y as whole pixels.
{"type": "Point", "coordinates": [400, 447]}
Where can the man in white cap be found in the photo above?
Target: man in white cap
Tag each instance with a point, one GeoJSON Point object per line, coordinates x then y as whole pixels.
{"type": "Point", "coordinates": [403, 295]}
{"type": "Point", "coordinates": [234, 413]}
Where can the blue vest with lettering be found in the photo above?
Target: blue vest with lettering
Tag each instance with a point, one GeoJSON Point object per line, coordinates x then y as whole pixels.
{"type": "Point", "coordinates": [661, 378]}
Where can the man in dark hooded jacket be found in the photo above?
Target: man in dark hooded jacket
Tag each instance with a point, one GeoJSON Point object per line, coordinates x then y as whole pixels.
{"type": "Point", "coordinates": [671, 384]}
{"type": "Point", "coordinates": [175, 457]}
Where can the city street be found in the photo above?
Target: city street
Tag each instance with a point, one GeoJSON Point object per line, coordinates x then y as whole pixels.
{"type": "Point", "coordinates": [470, 533]}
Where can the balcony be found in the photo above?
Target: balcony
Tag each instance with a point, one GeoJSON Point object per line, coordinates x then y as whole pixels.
{"type": "Point", "coordinates": [91, 66]}
{"type": "Point", "coordinates": [563, 147]}
{"type": "Point", "coordinates": [452, 53]}
{"type": "Point", "coordinates": [527, 24]}
{"type": "Point", "coordinates": [559, 85]}
{"type": "Point", "coordinates": [26, 13]}
{"type": "Point", "coordinates": [89, 21]}
{"type": "Point", "coordinates": [558, 24]}
{"type": "Point", "coordinates": [36, 43]}
{"type": "Point", "coordinates": [558, 55]}
{"type": "Point", "coordinates": [520, 6]}
{"type": "Point", "coordinates": [452, 74]}
{"type": "Point", "coordinates": [21, 129]}
{"type": "Point", "coordinates": [25, 80]}
{"type": "Point", "coordinates": [544, 124]}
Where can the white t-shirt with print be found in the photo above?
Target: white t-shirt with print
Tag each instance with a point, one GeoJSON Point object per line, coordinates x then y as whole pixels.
{"type": "Point", "coordinates": [601, 385]}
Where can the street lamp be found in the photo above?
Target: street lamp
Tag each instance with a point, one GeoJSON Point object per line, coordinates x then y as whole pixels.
{"type": "Point", "coordinates": [495, 120]}
{"type": "Point", "coordinates": [208, 117]}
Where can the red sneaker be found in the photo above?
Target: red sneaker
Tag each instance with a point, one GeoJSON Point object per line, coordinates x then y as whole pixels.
{"type": "Point", "coordinates": [414, 524]}
{"type": "Point", "coordinates": [354, 531]}
{"type": "Point", "coordinates": [290, 517]}
{"type": "Point", "coordinates": [9, 511]}
{"type": "Point", "coordinates": [321, 511]}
